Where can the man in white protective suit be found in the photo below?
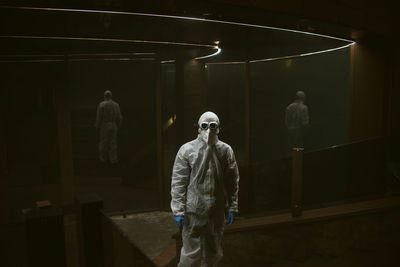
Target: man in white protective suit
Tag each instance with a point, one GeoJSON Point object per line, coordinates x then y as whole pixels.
{"type": "Point", "coordinates": [108, 120]}
{"type": "Point", "coordinates": [204, 188]}
{"type": "Point", "coordinates": [297, 120]}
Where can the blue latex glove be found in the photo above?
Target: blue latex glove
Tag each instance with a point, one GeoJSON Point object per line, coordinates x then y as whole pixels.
{"type": "Point", "coordinates": [231, 218]}
{"type": "Point", "coordinates": [180, 220]}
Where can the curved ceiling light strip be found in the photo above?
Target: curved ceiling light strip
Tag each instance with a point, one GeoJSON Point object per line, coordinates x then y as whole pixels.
{"type": "Point", "coordinates": [118, 40]}
{"type": "Point", "coordinates": [105, 40]}
{"type": "Point", "coordinates": [168, 61]}
{"type": "Point", "coordinates": [175, 17]}
{"type": "Point", "coordinates": [350, 42]}
{"type": "Point", "coordinates": [31, 60]}
{"type": "Point", "coordinates": [79, 55]}
{"type": "Point", "coordinates": [114, 54]}
{"type": "Point", "coordinates": [178, 17]}
{"type": "Point", "coordinates": [75, 59]}
{"type": "Point", "coordinates": [211, 55]}
{"type": "Point", "coordinates": [301, 55]}
{"type": "Point", "coordinates": [226, 63]}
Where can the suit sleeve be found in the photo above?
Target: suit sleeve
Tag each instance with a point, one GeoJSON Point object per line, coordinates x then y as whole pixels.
{"type": "Point", "coordinates": [179, 183]}
{"type": "Point", "coordinates": [119, 116]}
{"type": "Point", "coordinates": [287, 117]}
{"type": "Point", "coordinates": [305, 117]}
{"type": "Point", "coordinates": [99, 116]}
{"type": "Point", "coordinates": [233, 180]}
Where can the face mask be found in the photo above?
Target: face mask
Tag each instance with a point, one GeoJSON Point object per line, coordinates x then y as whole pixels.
{"type": "Point", "coordinates": [209, 136]}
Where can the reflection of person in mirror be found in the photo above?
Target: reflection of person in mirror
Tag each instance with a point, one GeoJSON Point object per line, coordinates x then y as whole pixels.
{"type": "Point", "coordinates": [108, 120]}
{"type": "Point", "coordinates": [296, 120]}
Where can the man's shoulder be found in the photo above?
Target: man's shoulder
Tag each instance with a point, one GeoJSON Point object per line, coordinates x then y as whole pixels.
{"type": "Point", "coordinates": [186, 148]}
{"type": "Point", "coordinates": [223, 146]}
{"type": "Point", "coordinates": [102, 103]}
{"type": "Point", "coordinates": [108, 102]}
{"type": "Point", "coordinates": [112, 103]}
{"type": "Point", "coordinates": [189, 144]}
{"type": "Point", "coordinates": [303, 106]}
{"type": "Point", "coordinates": [291, 105]}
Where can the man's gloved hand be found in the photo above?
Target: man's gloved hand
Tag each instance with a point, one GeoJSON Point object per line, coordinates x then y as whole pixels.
{"type": "Point", "coordinates": [231, 218]}
{"type": "Point", "coordinates": [180, 220]}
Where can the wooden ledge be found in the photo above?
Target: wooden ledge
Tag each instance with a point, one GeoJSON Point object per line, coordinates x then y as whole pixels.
{"type": "Point", "coordinates": [316, 214]}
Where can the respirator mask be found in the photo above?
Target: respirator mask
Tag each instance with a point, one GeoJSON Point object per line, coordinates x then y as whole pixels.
{"type": "Point", "coordinates": [208, 132]}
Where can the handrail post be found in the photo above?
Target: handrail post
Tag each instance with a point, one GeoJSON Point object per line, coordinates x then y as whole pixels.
{"type": "Point", "coordinates": [159, 139]}
{"type": "Point", "coordinates": [90, 230]}
{"type": "Point", "coordinates": [45, 237]}
{"type": "Point", "coordinates": [297, 180]}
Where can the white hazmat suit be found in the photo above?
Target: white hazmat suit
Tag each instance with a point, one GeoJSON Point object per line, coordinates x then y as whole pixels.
{"type": "Point", "coordinates": [205, 185]}
{"type": "Point", "coordinates": [296, 120]}
{"type": "Point", "coordinates": [108, 120]}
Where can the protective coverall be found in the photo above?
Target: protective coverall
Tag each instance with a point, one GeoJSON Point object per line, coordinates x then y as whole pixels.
{"type": "Point", "coordinates": [108, 120]}
{"type": "Point", "coordinates": [296, 120]}
{"type": "Point", "coordinates": [205, 184]}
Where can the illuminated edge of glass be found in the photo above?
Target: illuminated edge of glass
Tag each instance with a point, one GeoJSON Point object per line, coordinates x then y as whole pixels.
{"type": "Point", "coordinates": [302, 55]}
{"type": "Point", "coordinates": [174, 17]}
{"type": "Point", "coordinates": [351, 42]}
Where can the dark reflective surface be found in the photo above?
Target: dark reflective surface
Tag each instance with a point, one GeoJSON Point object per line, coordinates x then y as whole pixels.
{"type": "Point", "coordinates": [90, 52]}
{"type": "Point", "coordinates": [71, 31]}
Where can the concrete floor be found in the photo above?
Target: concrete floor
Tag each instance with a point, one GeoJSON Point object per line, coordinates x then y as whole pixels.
{"type": "Point", "coordinates": [151, 232]}
{"type": "Point", "coordinates": [116, 195]}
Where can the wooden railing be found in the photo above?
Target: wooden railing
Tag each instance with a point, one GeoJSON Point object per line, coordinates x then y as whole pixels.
{"type": "Point", "coordinates": [119, 250]}
{"type": "Point", "coordinates": [345, 173]}
{"type": "Point", "coordinates": [102, 242]}
{"type": "Point", "coordinates": [314, 179]}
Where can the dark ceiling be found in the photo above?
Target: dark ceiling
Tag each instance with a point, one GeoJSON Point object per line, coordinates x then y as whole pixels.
{"type": "Point", "coordinates": [42, 33]}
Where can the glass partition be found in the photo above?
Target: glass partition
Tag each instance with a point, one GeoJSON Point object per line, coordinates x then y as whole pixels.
{"type": "Point", "coordinates": [29, 123]}
{"type": "Point", "coordinates": [344, 174]}
{"type": "Point", "coordinates": [324, 79]}
{"type": "Point", "coordinates": [226, 96]}
{"type": "Point", "coordinates": [131, 183]}
{"type": "Point", "coordinates": [165, 71]}
{"type": "Point", "coordinates": [169, 128]}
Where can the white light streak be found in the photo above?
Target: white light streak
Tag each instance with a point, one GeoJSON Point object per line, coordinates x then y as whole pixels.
{"type": "Point", "coordinates": [33, 55]}
{"type": "Point", "coordinates": [350, 42]}
{"type": "Point", "coordinates": [176, 17]}
{"type": "Point", "coordinates": [227, 63]}
{"type": "Point", "coordinates": [113, 54]}
{"type": "Point", "coordinates": [211, 55]}
{"type": "Point", "coordinates": [76, 60]}
{"type": "Point", "coordinates": [302, 55]}
{"type": "Point", "coordinates": [121, 59]}
{"type": "Point", "coordinates": [104, 39]}
{"type": "Point", "coordinates": [79, 55]}
{"type": "Point", "coordinates": [31, 60]}
{"type": "Point", "coordinates": [168, 61]}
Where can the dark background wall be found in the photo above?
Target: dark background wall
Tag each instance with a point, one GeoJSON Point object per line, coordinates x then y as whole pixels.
{"type": "Point", "coordinates": [395, 109]}
{"type": "Point", "coordinates": [226, 91]}
{"type": "Point", "coordinates": [32, 147]}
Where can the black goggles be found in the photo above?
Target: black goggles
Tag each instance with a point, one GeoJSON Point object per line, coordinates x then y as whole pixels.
{"type": "Point", "coordinates": [208, 125]}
